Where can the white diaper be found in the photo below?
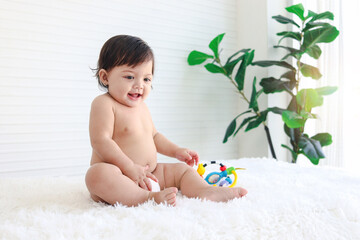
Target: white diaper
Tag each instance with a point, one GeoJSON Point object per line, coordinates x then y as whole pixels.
{"type": "Point", "coordinates": [155, 186]}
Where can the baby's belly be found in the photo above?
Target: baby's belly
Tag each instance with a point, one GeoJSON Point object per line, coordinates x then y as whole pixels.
{"type": "Point", "coordinates": [141, 151]}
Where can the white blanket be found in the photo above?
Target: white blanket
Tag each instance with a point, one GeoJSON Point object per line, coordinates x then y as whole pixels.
{"type": "Point", "coordinates": [285, 201]}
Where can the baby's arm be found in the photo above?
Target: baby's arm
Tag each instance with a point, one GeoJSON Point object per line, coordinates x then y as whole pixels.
{"type": "Point", "coordinates": [101, 131]}
{"type": "Point", "coordinates": [166, 147]}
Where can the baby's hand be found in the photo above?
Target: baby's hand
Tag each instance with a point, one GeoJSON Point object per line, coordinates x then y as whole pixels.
{"type": "Point", "coordinates": [140, 175]}
{"type": "Point", "coordinates": [188, 156]}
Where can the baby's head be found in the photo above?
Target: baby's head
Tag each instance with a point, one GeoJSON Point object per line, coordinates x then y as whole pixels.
{"type": "Point", "coordinates": [123, 50]}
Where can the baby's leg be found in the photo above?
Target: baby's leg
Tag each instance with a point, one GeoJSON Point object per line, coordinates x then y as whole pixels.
{"type": "Point", "coordinates": [107, 183]}
{"type": "Point", "coordinates": [192, 185]}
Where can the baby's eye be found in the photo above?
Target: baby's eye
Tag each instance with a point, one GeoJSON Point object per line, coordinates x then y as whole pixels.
{"type": "Point", "coordinates": [147, 79]}
{"type": "Point", "coordinates": [129, 77]}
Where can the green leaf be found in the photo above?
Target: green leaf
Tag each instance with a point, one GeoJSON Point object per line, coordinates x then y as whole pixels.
{"type": "Point", "coordinates": [326, 90]}
{"type": "Point", "coordinates": [311, 25]}
{"type": "Point", "coordinates": [276, 110]}
{"type": "Point", "coordinates": [319, 35]}
{"type": "Point", "coordinates": [310, 71]}
{"type": "Point", "coordinates": [293, 35]}
{"type": "Point", "coordinates": [253, 100]}
{"type": "Point", "coordinates": [285, 20]}
{"type": "Point", "coordinates": [314, 51]}
{"type": "Point", "coordinates": [306, 115]}
{"type": "Point", "coordinates": [214, 68]}
{"type": "Point", "coordinates": [289, 75]}
{"type": "Point", "coordinates": [308, 99]}
{"type": "Point", "coordinates": [244, 122]}
{"type": "Point", "coordinates": [310, 14]}
{"type": "Point", "coordinates": [273, 85]}
{"type": "Point", "coordinates": [214, 44]}
{"type": "Point", "coordinates": [196, 57]}
{"type": "Point", "coordinates": [297, 9]}
{"type": "Point", "coordinates": [311, 149]}
{"type": "Point", "coordinates": [295, 55]}
{"type": "Point", "coordinates": [290, 49]}
{"type": "Point", "coordinates": [232, 56]}
{"type": "Point", "coordinates": [257, 121]}
{"type": "Point", "coordinates": [240, 75]}
{"type": "Point", "coordinates": [250, 57]}
{"type": "Point", "coordinates": [293, 153]}
{"type": "Point", "coordinates": [293, 133]}
{"type": "Point", "coordinates": [231, 128]}
{"type": "Point", "coordinates": [259, 93]}
{"type": "Point", "coordinates": [324, 15]}
{"type": "Point", "coordinates": [229, 67]}
{"type": "Point", "coordinates": [273, 63]}
{"type": "Point", "coordinates": [325, 139]}
{"type": "Point", "coordinates": [292, 119]}
{"type": "Point", "coordinates": [253, 124]}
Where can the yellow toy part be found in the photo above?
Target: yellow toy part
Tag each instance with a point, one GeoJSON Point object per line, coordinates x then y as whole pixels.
{"type": "Point", "coordinates": [201, 169]}
{"type": "Point", "coordinates": [235, 176]}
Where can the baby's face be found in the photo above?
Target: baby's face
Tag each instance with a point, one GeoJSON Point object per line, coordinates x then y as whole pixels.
{"type": "Point", "coordinates": [130, 85]}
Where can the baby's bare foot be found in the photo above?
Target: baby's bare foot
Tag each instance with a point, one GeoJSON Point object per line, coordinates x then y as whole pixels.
{"type": "Point", "coordinates": [222, 194]}
{"type": "Point", "coordinates": [167, 195]}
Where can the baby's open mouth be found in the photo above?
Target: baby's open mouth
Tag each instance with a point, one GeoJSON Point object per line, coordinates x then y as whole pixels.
{"type": "Point", "coordinates": [134, 96]}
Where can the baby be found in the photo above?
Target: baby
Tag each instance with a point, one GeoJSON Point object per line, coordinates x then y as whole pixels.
{"type": "Point", "coordinates": [125, 141]}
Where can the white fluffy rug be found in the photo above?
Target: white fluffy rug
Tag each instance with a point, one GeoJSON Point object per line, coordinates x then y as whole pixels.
{"type": "Point", "coordinates": [285, 201]}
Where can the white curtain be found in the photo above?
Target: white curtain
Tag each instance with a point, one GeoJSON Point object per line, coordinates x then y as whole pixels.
{"type": "Point", "coordinates": [339, 115]}
{"type": "Point", "coordinates": [351, 83]}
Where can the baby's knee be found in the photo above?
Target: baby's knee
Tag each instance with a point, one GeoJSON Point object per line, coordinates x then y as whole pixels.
{"type": "Point", "coordinates": [99, 172]}
{"type": "Point", "coordinates": [172, 173]}
{"type": "Point", "coordinates": [183, 167]}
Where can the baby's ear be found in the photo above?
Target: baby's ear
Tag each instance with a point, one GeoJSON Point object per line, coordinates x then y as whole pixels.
{"type": "Point", "coordinates": [103, 75]}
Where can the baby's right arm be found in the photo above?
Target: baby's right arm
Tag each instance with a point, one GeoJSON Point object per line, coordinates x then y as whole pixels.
{"type": "Point", "coordinates": [101, 130]}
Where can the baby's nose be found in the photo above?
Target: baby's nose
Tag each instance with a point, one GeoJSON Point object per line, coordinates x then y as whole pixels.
{"type": "Point", "coordinates": [138, 85]}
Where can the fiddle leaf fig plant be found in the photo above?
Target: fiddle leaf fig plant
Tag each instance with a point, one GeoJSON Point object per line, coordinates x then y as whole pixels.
{"type": "Point", "coordinates": [311, 30]}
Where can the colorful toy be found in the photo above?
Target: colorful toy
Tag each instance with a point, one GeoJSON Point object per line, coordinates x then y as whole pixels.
{"type": "Point", "coordinates": [216, 177]}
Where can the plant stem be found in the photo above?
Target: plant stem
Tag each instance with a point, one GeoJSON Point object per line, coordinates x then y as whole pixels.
{"type": "Point", "coordinates": [298, 64]}
{"type": "Point", "coordinates": [298, 132]}
{"type": "Point", "coordinates": [270, 142]}
{"type": "Point", "coordinates": [267, 131]}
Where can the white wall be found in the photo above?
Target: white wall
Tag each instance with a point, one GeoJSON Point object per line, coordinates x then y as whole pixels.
{"type": "Point", "coordinates": [275, 123]}
{"type": "Point", "coordinates": [46, 85]}
{"type": "Point", "coordinates": [258, 31]}
{"type": "Point", "coordinates": [252, 33]}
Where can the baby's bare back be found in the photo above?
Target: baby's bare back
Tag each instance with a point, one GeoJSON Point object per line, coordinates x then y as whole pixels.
{"type": "Point", "coordinates": [133, 133]}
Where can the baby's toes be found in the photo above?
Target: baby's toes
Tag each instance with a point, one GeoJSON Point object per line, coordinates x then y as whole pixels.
{"type": "Point", "coordinates": [172, 201]}
{"type": "Point", "coordinates": [243, 192]}
{"type": "Point", "coordinates": [170, 197]}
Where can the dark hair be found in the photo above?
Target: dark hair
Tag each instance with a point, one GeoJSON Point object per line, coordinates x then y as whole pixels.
{"type": "Point", "coordinates": [123, 50]}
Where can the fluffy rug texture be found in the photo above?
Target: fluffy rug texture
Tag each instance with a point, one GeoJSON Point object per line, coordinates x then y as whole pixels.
{"type": "Point", "coordinates": [285, 201]}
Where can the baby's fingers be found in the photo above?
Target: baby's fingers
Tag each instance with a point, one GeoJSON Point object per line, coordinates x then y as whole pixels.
{"type": "Point", "coordinates": [148, 184]}
{"type": "Point", "coordinates": [152, 176]}
{"type": "Point", "coordinates": [143, 185]}
{"type": "Point", "coordinates": [190, 162]}
{"type": "Point", "coordinates": [194, 156]}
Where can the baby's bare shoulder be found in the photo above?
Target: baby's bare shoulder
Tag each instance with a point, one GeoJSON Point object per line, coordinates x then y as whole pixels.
{"type": "Point", "coordinates": [103, 98]}
{"type": "Point", "coordinates": [102, 101]}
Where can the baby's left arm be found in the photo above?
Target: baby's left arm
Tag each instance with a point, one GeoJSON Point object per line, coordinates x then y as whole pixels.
{"type": "Point", "coordinates": [166, 147]}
